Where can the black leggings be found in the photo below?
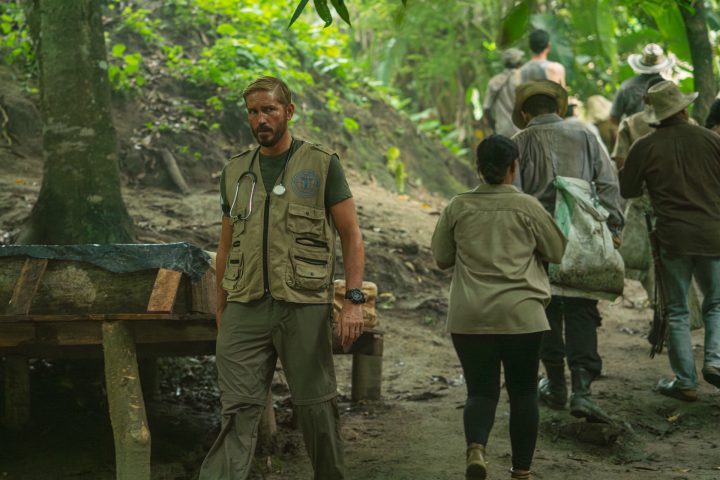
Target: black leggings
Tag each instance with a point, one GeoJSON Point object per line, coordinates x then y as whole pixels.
{"type": "Point", "coordinates": [481, 356]}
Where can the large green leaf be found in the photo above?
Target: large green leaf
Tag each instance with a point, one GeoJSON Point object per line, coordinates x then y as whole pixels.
{"type": "Point", "coordinates": [669, 21]}
{"type": "Point", "coordinates": [342, 10]}
{"type": "Point", "coordinates": [301, 6]}
{"type": "Point", "coordinates": [515, 24]}
{"type": "Point", "coordinates": [323, 11]}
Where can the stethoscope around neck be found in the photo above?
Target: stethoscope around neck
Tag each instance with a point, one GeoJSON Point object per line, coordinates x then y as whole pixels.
{"type": "Point", "coordinates": [278, 189]}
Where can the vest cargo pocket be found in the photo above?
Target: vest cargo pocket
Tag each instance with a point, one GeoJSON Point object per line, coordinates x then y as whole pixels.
{"type": "Point", "coordinates": [308, 271]}
{"type": "Point", "coordinates": [233, 272]}
{"type": "Point", "coordinates": [306, 220]}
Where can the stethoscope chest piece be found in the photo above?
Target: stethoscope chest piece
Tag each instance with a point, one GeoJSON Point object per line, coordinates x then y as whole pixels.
{"type": "Point", "coordinates": [279, 189]}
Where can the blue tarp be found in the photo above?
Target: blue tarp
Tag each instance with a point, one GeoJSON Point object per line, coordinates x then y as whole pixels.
{"type": "Point", "coordinates": [121, 258]}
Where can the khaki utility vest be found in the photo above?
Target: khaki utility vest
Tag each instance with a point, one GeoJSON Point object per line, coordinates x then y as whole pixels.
{"type": "Point", "coordinates": [286, 247]}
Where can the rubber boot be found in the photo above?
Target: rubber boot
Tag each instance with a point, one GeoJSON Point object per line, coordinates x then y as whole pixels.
{"type": "Point", "coordinates": [476, 466]}
{"type": "Point", "coordinates": [552, 390]}
{"type": "Point", "coordinates": [581, 403]}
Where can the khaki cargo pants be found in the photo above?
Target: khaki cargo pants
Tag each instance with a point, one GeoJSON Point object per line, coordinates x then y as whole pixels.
{"type": "Point", "coordinates": [250, 339]}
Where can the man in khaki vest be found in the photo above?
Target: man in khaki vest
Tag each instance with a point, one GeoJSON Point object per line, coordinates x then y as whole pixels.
{"type": "Point", "coordinates": [283, 203]}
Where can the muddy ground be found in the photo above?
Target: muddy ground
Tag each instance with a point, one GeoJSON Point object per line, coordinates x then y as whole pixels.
{"type": "Point", "coordinates": [415, 431]}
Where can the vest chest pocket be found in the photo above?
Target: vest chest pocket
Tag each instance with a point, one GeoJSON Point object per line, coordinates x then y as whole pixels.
{"type": "Point", "coordinates": [308, 270]}
{"type": "Point", "coordinates": [233, 271]}
{"type": "Point", "coordinates": [306, 220]}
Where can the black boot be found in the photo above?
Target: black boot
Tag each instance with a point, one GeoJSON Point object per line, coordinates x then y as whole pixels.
{"type": "Point", "coordinates": [581, 403]}
{"type": "Point", "coordinates": [552, 390]}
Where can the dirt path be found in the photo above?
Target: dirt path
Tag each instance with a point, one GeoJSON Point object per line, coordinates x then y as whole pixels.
{"type": "Point", "coordinates": [415, 432]}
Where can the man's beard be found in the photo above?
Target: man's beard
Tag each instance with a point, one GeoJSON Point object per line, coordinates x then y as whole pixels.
{"type": "Point", "coordinates": [273, 139]}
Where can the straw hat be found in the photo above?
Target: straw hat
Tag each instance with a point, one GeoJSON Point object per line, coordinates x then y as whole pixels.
{"type": "Point", "coordinates": [538, 87]}
{"type": "Point", "coordinates": [651, 60]}
{"type": "Point", "coordinates": [665, 100]}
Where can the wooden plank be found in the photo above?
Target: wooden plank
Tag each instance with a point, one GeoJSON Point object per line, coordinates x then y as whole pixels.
{"type": "Point", "coordinates": [105, 317]}
{"type": "Point", "coordinates": [27, 286]}
{"type": "Point", "coordinates": [16, 334]}
{"type": "Point", "coordinates": [164, 292]}
{"type": "Point", "coordinates": [203, 293]}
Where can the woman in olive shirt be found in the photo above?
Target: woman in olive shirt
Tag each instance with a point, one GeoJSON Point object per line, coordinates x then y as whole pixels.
{"type": "Point", "coordinates": [498, 238]}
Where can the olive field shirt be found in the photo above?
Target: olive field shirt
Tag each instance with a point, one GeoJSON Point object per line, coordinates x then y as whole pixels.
{"type": "Point", "coordinates": [680, 164]}
{"type": "Point", "coordinates": [497, 238]}
{"type": "Point", "coordinates": [576, 152]}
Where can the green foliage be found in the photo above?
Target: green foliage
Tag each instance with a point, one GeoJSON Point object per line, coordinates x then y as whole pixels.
{"type": "Point", "coordinates": [15, 45]}
{"type": "Point", "coordinates": [247, 41]}
{"type": "Point", "coordinates": [351, 125]}
{"type": "Point", "coordinates": [515, 24]}
{"type": "Point", "coordinates": [124, 72]}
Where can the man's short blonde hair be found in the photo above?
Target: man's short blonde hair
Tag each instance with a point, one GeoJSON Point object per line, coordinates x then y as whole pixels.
{"type": "Point", "coordinates": [270, 84]}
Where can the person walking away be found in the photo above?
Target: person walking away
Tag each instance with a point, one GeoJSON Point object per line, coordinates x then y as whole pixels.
{"type": "Point", "coordinates": [282, 205]}
{"type": "Point", "coordinates": [498, 294]}
{"type": "Point", "coordinates": [639, 266]}
{"type": "Point", "coordinates": [500, 95]}
{"type": "Point", "coordinates": [680, 165]}
{"type": "Point", "coordinates": [598, 114]}
{"type": "Point", "coordinates": [539, 67]}
{"type": "Point", "coordinates": [550, 147]}
{"type": "Point", "coordinates": [648, 65]}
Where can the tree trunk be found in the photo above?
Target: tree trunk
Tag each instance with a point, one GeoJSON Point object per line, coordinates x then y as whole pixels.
{"type": "Point", "coordinates": [80, 199]}
{"type": "Point", "coordinates": [701, 53]}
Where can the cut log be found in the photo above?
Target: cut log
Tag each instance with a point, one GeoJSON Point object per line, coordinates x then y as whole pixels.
{"type": "Point", "coordinates": [127, 407]}
{"type": "Point", "coordinates": [71, 287]}
{"type": "Point", "coordinates": [17, 392]}
{"type": "Point", "coordinates": [204, 296]}
{"type": "Point", "coordinates": [26, 286]}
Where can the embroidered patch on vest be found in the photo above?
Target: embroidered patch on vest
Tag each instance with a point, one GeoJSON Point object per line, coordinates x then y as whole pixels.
{"type": "Point", "coordinates": [306, 183]}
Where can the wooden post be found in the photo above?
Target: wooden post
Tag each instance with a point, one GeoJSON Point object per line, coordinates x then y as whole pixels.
{"type": "Point", "coordinates": [17, 392]}
{"type": "Point", "coordinates": [367, 371]}
{"type": "Point", "coordinates": [127, 407]}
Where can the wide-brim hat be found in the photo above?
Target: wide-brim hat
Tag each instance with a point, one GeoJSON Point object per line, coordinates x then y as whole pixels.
{"type": "Point", "coordinates": [651, 60]}
{"type": "Point", "coordinates": [538, 87]}
{"type": "Point", "coordinates": [665, 100]}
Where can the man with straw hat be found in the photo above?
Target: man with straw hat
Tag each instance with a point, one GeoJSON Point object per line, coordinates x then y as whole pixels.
{"type": "Point", "coordinates": [680, 165]}
{"type": "Point", "coordinates": [648, 65]}
{"type": "Point", "coordinates": [500, 96]}
{"type": "Point", "coordinates": [548, 147]}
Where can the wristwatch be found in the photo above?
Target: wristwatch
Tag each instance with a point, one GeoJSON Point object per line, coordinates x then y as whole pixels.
{"type": "Point", "coordinates": [355, 295]}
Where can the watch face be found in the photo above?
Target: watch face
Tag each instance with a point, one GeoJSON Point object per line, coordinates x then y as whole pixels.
{"type": "Point", "coordinates": [355, 295]}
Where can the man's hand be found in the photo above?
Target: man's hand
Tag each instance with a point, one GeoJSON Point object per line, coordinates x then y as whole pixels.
{"type": "Point", "coordinates": [350, 325]}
